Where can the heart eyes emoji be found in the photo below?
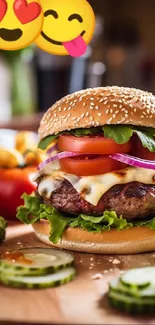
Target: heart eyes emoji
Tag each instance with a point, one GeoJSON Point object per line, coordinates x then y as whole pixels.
{"type": "Point", "coordinates": [3, 9]}
{"type": "Point", "coordinates": [26, 12]}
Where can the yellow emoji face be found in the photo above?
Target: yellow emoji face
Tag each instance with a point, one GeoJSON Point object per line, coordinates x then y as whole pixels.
{"type": "Point", "coordinates": [68, 27]}
{"type": "Point", "coordinates": [20, 23]}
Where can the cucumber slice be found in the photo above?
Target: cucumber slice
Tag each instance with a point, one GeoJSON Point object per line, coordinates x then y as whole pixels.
{"type": "Point", "coordinates": [45, 261]}
{"type": "Point", "coordinates": [117, 286]}
{"type": "Point", "coordinates": [131, 305]}
{"type": "Point", "coordinates": [140, 278]}
{"type": "Point", "coordinates": [39, 282]}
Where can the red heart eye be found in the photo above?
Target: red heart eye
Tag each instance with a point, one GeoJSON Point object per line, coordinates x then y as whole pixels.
{"type": "Point", "coordinates": [26, 12]}
{"type": "Point", "coordinates": [3, 9]}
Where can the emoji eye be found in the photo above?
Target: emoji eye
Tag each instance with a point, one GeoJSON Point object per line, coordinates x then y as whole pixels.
{"type": "Point", "coordinates": [75, 16]}
{"type": "Point", "coordinates": [3, 9]}
{"type": "Point", "coordinates": [51, 12]}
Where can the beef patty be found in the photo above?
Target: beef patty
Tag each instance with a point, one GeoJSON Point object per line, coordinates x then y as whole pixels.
{"type": "Point", "coordinates": [132, 200]}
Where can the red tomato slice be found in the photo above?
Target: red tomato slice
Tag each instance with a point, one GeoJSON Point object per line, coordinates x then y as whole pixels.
{"type": "Point", "coordinates": [92, 145]}
{"type": "Point", "coordinates": [13, 183]}
{"type": "Point", "coordinates": [140, 151]}
{"type": "Point", "coordinates": [96, 165]}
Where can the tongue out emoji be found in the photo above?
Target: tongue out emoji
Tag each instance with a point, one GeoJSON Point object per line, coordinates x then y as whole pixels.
{"type": "Point", "coordinates": [77, 47]}
{"type": "Point", "coordinates": [68, 27]}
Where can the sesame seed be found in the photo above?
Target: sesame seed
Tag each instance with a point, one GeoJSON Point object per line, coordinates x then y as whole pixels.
{"type": "Point", "coordinates": [110, 120]}
{"type": "Point", "coordinates": [99, 114]}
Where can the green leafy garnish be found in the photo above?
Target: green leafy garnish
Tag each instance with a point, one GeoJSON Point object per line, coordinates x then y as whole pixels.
{"type": "Point", "coordinates": [44, 143]}
{"type": "Point", "coordinates": [119, 133]}
{"type": "Point", "coordinates": [107, 221]}
{"type": "Point", "coordinates": [3, 225]}
{"type": "Point", "coordinates": [146, 223]}
{"type": "Point", "coordinates": [33, 211]}
{"type": "Point", "coordinates": [146, 140]}
{"type": "Point", "coordinates": [122, 134]}
{"type": "Point", "coordinates": [84, 132]}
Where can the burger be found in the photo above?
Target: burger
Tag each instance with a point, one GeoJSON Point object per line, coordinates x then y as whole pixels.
{"type": "Point", "coordinates": [96, 189]}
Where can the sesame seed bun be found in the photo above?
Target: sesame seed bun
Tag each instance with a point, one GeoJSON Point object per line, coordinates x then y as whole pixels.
{"type": "Point", "coordinates": [97, 107]}
{"type": "Point", "coordinates": [129, 241]}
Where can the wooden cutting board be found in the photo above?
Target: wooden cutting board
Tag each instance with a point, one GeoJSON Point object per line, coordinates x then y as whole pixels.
{"type": "Point", "coordinates": [83, 301]}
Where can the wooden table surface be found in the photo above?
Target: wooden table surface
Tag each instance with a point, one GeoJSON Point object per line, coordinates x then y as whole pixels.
{"type": "Point", "coordinates": [83, 301]}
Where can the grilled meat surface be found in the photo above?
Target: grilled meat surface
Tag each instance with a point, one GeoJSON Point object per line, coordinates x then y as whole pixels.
{"type": "Point", "coordinates": [132, 201]}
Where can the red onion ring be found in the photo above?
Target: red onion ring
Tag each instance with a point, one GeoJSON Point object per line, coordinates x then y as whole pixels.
{"type": "Point", "coordinates": [58, 156]}
{"type": "Point", "coordinates": [134, 161]}
{"type": "Point", "coordinates": [52, 149]}
{"type": "Point", "coordinates": [126, 159]}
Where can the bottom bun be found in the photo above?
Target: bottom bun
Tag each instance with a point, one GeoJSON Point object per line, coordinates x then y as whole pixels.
{"type": "Point", "coordinates": [129, 241]}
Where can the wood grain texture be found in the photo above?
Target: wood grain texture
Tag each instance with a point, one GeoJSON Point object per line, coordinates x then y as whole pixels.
{"type": "Point", "coordinates": [83, 301]}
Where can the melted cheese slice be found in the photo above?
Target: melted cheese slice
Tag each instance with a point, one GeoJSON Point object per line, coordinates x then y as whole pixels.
{"type": "Point", "coordinates": [91, 188]}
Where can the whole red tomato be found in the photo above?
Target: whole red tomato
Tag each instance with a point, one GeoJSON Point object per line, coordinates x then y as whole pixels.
{"type": "Point", "coordinates": [13, 183]}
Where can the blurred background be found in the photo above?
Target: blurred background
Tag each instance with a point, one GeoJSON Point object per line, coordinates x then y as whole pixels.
{"type": "Point", "coordinates": [121, 53]}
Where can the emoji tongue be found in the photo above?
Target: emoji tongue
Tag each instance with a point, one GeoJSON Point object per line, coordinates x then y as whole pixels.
{"type": "Point", "coordinates": [76, 47]}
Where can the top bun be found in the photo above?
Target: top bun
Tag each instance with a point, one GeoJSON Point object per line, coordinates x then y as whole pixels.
{"type": "Point", "coordinates": [97, 107]}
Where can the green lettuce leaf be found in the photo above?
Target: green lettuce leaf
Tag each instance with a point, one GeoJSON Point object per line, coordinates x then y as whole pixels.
{"type": "Point", "coordinates": [3, 225]}
{"type": "Point", "coordinates": [44, 143]}
{"type": "Point", "coordinates": [84, 132]}
{"type": "Point", "coordinates": [119, 133]}
{"type": "Point", "coordinates": [106, 222]}
{"type": "Point", "coordinates": [150, 131]}
{"type": "Point", "coordinates": [122, 134]}
{"type": "Point", "coordinates": [146, 140]}
{"type": "Point", "coordinates": [145, 223]}
{"type": "Point", "coordinates": [33, 211]}
{"type": "Point", "coordinates": [58, 223]}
